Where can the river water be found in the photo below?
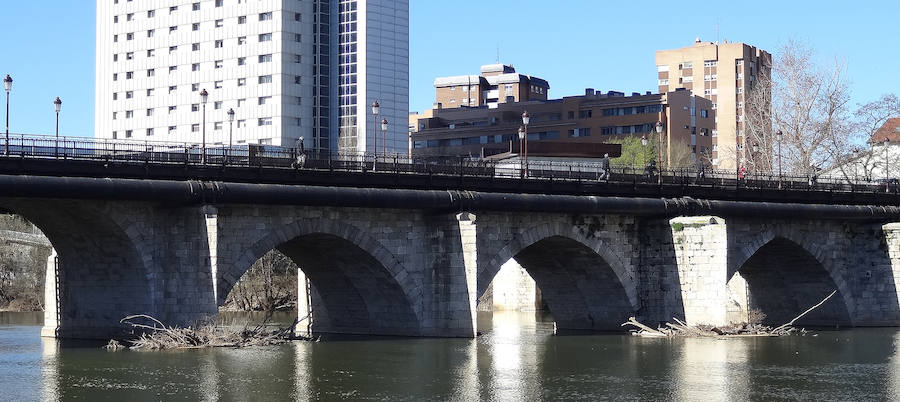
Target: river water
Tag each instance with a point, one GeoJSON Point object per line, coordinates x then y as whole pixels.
{"type": "Point", "coordinates": [517, 359]}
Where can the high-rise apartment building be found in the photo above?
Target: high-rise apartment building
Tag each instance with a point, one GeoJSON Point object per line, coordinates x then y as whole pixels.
{"type": "Point", "coordinates": [722, 73]}
{"type": "Point", "coordinates": [498, 83]}
{"type": "Point", "coordinates": [288, 68]}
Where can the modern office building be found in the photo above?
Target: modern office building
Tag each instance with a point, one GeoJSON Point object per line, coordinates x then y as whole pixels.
{"type": "Point", "coordinates": [498, 83]}
{"type": "Point", "coordinates": [593, 118]}
{"type": "Point", "coordinates": [288, 69]}
{"type": "Point", "coordinates": [722, 73]}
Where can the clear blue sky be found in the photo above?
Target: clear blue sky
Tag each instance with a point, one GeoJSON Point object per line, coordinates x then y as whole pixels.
{"type": "Point", "coordinates": [574, 44]}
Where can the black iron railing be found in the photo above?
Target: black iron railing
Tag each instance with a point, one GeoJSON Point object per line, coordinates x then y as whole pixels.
{"type": "Point", "coordinates": [275, 157]}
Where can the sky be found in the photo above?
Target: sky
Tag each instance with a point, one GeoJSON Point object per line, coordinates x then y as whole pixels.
{"type": "Point", "coordinates": [574, 44]}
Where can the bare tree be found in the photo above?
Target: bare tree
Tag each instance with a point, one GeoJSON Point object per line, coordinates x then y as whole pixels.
{"type": "Point", "coordinates": [269, 285]}
{"type": "Point", "coordinates": [809, 105]}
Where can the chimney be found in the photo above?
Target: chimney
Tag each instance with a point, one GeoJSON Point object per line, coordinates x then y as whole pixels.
{"type": "Point", "coordinates": [589, 92]}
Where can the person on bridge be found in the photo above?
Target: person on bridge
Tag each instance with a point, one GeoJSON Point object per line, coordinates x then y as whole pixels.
{"type": "Point", "coordinates": [650, 170]}
{"type": "Point", "coordinates": [604, 168]}
{"type": "Point", "coordinates": [301, 154]}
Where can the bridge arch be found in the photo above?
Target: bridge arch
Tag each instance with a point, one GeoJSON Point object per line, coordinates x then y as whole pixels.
{"type": "Point", "coordinates": [358, 285]}
{"type": "Point", "coordinates": [99, 273]}
{"type": "Point", "coordinates": [584, 283]}
{"type": "Point", "coordinates": [786, 273]}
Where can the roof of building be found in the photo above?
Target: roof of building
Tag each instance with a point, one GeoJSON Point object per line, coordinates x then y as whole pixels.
{"type": "Point", "coordinates": [497, 68]}
{"type": "Point", "coordinates": [890, 131]}
{"type": "Point", "coordinates": [457, 80]}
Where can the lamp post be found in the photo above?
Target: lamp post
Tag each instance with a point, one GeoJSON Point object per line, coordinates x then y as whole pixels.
{"type": "Point", "coordinates": [384, 127]}
{"type": "Point", "coordinates": [659, 130]}
{"type": "Point", "coordinates": [644, 148]}
{"type": "Point", "coordinates": [204, 96]}
{"type": "Point", "coordinates": [230, 132]}
{"type": "Point", "coordinates": [521, 151]}
{"type": "Point", "coordinates": [375, 108]}
{"type": "Point", "coordinates": [57, 105]}
{"type": "Point", "coordinates": [7, 84]}
{"type": "Point", "coordinates": [779, 134]}
{"type": "Point", "coordinates": [753, 159]}
{"type": "Point", "coordinates": [855, 163]}
{"type": "Point", "coordinates": [410, 147]}
{"type": "Point", "coordinates": [887, 174]}
{"type": "Point", "coordinates": [525, 120]}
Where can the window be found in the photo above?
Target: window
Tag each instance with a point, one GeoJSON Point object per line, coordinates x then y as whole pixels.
{"type": "Point", "coordinates": [217, 125]}
{"type": "Point", "coordinates": [195, 107]}
{"type": "Point", "coordinates": [219, 3]}
{"type": "Point", "coordinates": [151, 52]}
{"type": "Point", "coordinates": [219, 23]}
{"type": "Point", "coordinates": [664, 82]}
{"type": "Point", "coordinates": [195, 128]}
{"type": "Point", "coordinates": [115, 38]}
{"type": "Point", "coordinates": [195, 46]}
{"type": "Point", "coordinates": [195, 26]}
{"type": "Point", "coordinates": [241, 61]}
{"type": "Point", "coordinates": [116, 57]}
{"type": "Point", "coordinates": [266, 37]}
{"type": "Point", "coordinates": [172, 88]}
{"type": "Point", "coordinates": [130, 16]}
{"type": "Point", "coordinates": [240, 102]}
{"type": "Point", "coordinates": [298, 17]}
{"type": "Point", "coordinates": [241, 82]}
{"type": "Point", "coordinates": [129, 56]}
{"type": "Point", "coordinates": [195, 67]}
{"type": "Point", "coordinates": [218, 64]}
{"type": "Point", "coordinates": [151, 13]}
{"type": "Point", "coordinates": [172, 129]}
{"type": "Point", "coordinates": [127, 133]}
{"type": "Point", "coordinates": [115, 77]}
{"type": "Point", "coordinates": [115, 19]}
{"type": "Point", "coordinates": [265, 79]}
{"type": "Point", "coordinates": [297, 79]}
{"type": "Point", "coordinates": [264, 121]}
{"type": "Point", "coordinates": [195, 87]}
{"type": "Point", "coordinates": [195, 7]}
{"type": "Point", "coordinates": [172, 109]}
{"type": "Point", "coordinates": [129, 114]}
{"type": "Point", "coordinates": [264, 99]}
{"type": "Point", "coordinates": [241, 123]}
{"type": "Point", "coordinates": [150, 92]}
{"type": "Point", "coordinates": [172, 49]}
{"type": "Point", "coordinates": [242, 40]}
{"type": "Point", "coordinates": [242, 19]}
{"type": "Point", "coordinates": [218, 84]}
{"type": "Point", "coordinates": [115, 135]}
{"type": "Point", "coordinates": [151, 72]}
{"type": "Point", "coordinates": [217, 105]}
{"type": "Point", "coordinates": [220, 43]}
{"type": "Point", "coordinates": [173, 28]}
{"type": "Point", "coordinates": [149, 112]}
{"type": "Point", "coordinates": [265, 16]}
{"type": "Point", "coordinates": [298, 38]}
{"type": "Point", "coordinates": [129, 75]}
{"type": "Point", "coordinates": [585, 114]}
{"type": "Point", "coordinates": [115, 114]}
{"type": "Point", "coordinates": [150, 33]}
{"type": "Point", "coordinates": [115, 95]}
{"type": "Point", "coordinates": [265, 58]}
{"type": "Point", "coordinates": [297, 58]}
{"type": "Point", "coordinates": [710, 63]}
{"type": "Point", "coordinates": [173, 9]}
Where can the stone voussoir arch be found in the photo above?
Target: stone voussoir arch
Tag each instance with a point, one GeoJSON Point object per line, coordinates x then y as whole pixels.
{"type": "Point", "coordinates": [534, 234]}
{"type": "Point", "coordinates": [739, 254]}
{"type": "Point", "coordinates": [360, 238]}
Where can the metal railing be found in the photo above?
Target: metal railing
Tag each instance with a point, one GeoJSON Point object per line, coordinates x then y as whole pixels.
{"type": "Point", "coordinates": [275, 157]}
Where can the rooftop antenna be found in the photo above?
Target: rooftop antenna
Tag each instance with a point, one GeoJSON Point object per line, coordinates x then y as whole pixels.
{"type": "Point", "coordinates": [498, 53]}
{"type": "Point", "coordinates": [717, 31]}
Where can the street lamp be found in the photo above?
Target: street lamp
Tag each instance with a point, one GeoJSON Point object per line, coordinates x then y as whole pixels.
{"type": "Point", "coordinates": [753, 159]}
{"type": "Point", "coordinates": [659, 130]}
{"type": "Point", "coordinates": [375, 109]}
{"type": "Point", "coordinates": [230, 131]}
{"type": "Point", "coordinates": [525, 120]}
{"type": "Point", "coordinates": [644, 148]}
{"type": "Point", "coordinates": [57, 105]}
{"type": "Point", "coordinates": [521, 151]}
{"type": "Point", "coordinates": [204, 96]}
{"type": "Point", "coordinates": [779, 134]}
{"type": "Point", "coordinates": [887, 175]}
{"type": "Point", "coordinates": [384, 127]}
{"type": "Point", "coordinates": [7, 84]}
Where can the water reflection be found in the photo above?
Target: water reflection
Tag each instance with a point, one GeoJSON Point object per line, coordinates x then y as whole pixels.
{"type": "Point", "coordinates": [517, 359]}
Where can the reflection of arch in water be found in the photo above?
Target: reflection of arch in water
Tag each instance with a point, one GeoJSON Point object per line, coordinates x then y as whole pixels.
{"type": "Point", "coordinates": [100, 275]}
{"type": "Point", "coordinates": [784, 277]}
{"type": "Point", "coordinates": [584, 285]}
{"type": "Point", "coordinates": [358, 285]}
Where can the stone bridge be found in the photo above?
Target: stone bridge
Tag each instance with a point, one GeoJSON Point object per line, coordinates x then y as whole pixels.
{"type": "Point", "coordinates": [403, 262]}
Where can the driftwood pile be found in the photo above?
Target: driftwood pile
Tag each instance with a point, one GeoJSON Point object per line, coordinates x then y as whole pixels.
{"type": "Point", "coordinates": [680, 329]}
{"type": "Point", "coordinates": [158, 336]}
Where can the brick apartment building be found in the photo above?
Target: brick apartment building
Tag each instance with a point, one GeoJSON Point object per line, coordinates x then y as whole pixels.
{"type": "Point", "coordinates": [592, 118]}
{"type": "Point", "coordinates": [498, 83]}
{"type": "Point", "coordinates": [722, 73]}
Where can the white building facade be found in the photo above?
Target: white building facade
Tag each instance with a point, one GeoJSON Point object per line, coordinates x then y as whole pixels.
{"type": "Point", "coordinates": [288, 68]}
